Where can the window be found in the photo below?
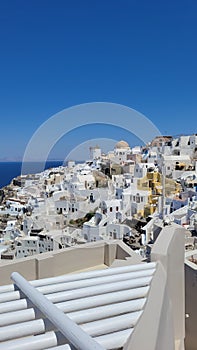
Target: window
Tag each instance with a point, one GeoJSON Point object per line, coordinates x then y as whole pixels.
{"type": "Point", "coordinates": [117, 208]}
{"type": "Point", "coordinates": [137, 199]}
{"type": "Point", "coordinates": [110, 209]}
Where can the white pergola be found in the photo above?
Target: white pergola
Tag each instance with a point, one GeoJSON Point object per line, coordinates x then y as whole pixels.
{"type": "Point", "coordinates": [88, 311]}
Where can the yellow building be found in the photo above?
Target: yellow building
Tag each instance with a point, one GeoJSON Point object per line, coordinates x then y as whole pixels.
{"type": "Point", "coordinates": [152, 182]}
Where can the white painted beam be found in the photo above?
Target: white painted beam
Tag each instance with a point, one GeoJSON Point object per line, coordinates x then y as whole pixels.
{"type": "Point", "coordinates": [102, 289]}
{"type": "Point", "coordinates": [84, 275]}
{"type": "Point", "coordinates": [20, 330]}
{"type": "Point", "coordinates": [80, 316]}
{"type": "Point", "coordinates": [38, 342]}
{"type": "Point", "coordinates": [102, 312]}
{"type": "Point", "coordinates": [17, 317]}
{"type": "Point", "coordinates": [114, 340]}
{"type": "Point", "coordinates": [13, 305]}
{"type": "Point", "coordinates": [82, 292]}
{"type": "Point", "coordinates": [95, 281]}
{"type": "Point", "coordinates": [103, 299]}
{"type": "Point", "coordinates": [82, 303]}
{"type": "Point", "coordinates": [112, 324]}
{"type": "Point", "coordinates": [9, 296]}
{"type": "Point", "coordinates": [60, 347]}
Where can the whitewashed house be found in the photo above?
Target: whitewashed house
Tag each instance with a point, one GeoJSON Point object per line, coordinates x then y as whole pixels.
{"type": "Point", "coordinates": [26, 246]}
{"type": "Point", "coordinates": [121, 152]}
{"type": "Point", "coordinates": [112, 209]}
{"type": "Point", "coordinates": [101, 228]}
{"type": "Point", "coordinates": [14, 208]}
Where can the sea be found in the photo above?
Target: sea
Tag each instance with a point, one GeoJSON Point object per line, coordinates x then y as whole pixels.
{"type": "Point", "coordinates": [9, 170]}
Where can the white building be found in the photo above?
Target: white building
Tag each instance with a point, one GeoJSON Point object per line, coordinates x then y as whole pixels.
{"type": "Point", "coordinates": [175, 165]}
{"type": "Point", "coordinates": [12, 208]}
{"type": "Point", "coordinates": [112, 209]}
{"type": "Point", "coordinates": [95, 152]}
{"type": "Point", "coordinates": [101, 228]}
{"type": "Point", "coordinates": [121, 152]}
{"type": "Point", "coordinates": [47, 241]}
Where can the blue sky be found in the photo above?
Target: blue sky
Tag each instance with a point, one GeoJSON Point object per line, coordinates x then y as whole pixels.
{"type": "Point", "coordinates": [60, 53]}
